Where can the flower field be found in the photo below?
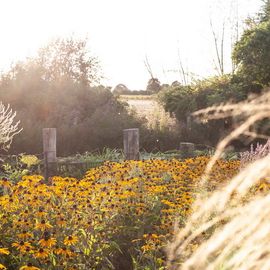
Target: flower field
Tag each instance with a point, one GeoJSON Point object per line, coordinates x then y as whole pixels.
{"type": "Point", "coordinates": [119, 216]}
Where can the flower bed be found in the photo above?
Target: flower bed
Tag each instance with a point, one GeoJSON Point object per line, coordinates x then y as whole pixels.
{"type": "Point", "coordinates": [119, 215]}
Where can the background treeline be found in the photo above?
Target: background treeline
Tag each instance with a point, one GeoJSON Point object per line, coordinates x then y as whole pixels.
{"type": "Point", "coordinates": [251, 56]}
{"type": "Point", "coordinates": [57, 89]}
{"type": "Point", "coordinates": [153, 87]}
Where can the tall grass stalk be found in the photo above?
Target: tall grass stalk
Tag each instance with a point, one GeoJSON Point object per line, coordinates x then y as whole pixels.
{"type": "Point", "coordinates": [230, 228]}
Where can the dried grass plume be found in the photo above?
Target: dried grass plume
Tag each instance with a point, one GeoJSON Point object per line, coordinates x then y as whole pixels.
{"type": "Point", "coordinates": [230, 228]}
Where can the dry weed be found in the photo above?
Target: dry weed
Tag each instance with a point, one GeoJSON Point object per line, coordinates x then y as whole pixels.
{"type": "Point", "coordinates": [231, 228]}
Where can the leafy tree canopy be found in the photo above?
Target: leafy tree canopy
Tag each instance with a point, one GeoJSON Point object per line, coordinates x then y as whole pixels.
{"type": "Point", "coordinates": [252, 54]}
{"type": "Point", "coordinates": [153, 85]}
{"type": "Point", "coordinates": [62, 58]}
{"type": "Point", "coordinates": [252, 51]}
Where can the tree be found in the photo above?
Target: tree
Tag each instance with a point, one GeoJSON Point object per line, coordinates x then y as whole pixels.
{"type": "Point", "coordinates": [61, 59]}
{"type": "Point", "coordinates": [153, 85]}
{"type": "Point", "coordinates": [8, 129]}
{"type": "Point", "coordinates": [252, 52]}
{"type": "Point", "coordinates": [120, 89]}
{"type": "Point", "coordinates": [176, 84]}
{"type": "Point", "coordinates": [264, 15]}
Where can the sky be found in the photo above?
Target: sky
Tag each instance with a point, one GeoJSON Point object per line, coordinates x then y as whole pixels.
{"type": "Point", "coordinates": [124, 33]}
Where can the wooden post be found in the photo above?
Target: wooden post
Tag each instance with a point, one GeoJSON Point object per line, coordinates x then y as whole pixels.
{"type": "Point", "coordinates": [49, 150]}
{"type": "Point", "coordinates": [186, 149]}
{"type": "Point", "coordinates": [131, 144]}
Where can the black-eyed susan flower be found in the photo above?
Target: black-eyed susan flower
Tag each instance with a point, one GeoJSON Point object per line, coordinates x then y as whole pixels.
{"type": "Point", "coordinates": [41, 213]}
{"type": "Point", "coordinates": [61, 222]}
{"type": "Point", "coordinates": [41, 253]}
{"type": "Point", "coordinates": [25, 235]}
{"type": "Point", "coordinates": [147, 247]}
{"type": "Point", "coordinates": [47, 242]}
{"type": "Point", "coordinates": [22, 246]}
{"type": "Point", "coordinates": [64, 251]}
{"type": "Point", "coordinates": [70, 240]}
{"type": "Point", "coordinates": [5, 183]}
{"type": "Point", "coordinates": [43, 225]}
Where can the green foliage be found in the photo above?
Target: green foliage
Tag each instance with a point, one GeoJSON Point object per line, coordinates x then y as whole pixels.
{"type": "Point", "coordinates": [264, 15]}
{"type": "Point", "coordinates": [252, 54]}
{"type": "Point", "coordinates": [15, 166]}
{"type": "Point", "coordinates": [97, 156]}
{"type": "Point", "coordinates": [178, 100]}
{"type": "Point", "coordinates": [182, 101]}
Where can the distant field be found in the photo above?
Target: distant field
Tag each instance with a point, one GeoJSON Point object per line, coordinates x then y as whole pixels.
{"type": "Point", "coordinates": [148, 108]}
{"type": "Point", "coordinates": [140, 97]}
{"type": "Point", "coordinates": [143, 105]}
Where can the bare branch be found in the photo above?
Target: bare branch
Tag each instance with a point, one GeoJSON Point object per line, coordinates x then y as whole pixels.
{"type": "Point", "coordinates": [219, 54]}
{"type": "Point", "coordinates": [148, 67]}
{"type": "Point", "coordinates": [8, 129]}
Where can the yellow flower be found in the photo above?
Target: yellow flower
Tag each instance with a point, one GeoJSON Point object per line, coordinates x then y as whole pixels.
{"type": "Point", "coordinates": [41, 214]}
{"type": "Point", "coordinates": [25, 235]}
{"type": "Point", "coordinates": [41, 253]}
{"type": "Point", "coordinates": [2, 267]}
{"type": "Point", "coordinates": [29, 266]}
{"type": "Point", "coordinates": [151, 236]}
{"type": "Point", "coordinates": [70, 240]}
{"type": "Point", "coordinates": [29, 160]}
{"type": "Point", "coordinates": [43, 225]}
{"type": "Point", "coordinates": [5, 183]}
{"type": "Point", "coordinates": [22, 246]}
{"type": "Point", "coordinates": [64, 251]}
{"type": "Point", "coordinates": [4, 251]}
{"type": "Point", "coordinates": [35, 211]}
{"type": "Point", "coordinates": [47, 242]}
{"type": "Point", "coordinates": [146, 248]}
{"type": "Point", "coordinates": [61, 222]}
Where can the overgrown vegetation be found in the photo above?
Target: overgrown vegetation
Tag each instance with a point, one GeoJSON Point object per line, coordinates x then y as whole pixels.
{"type": "Point", "coordinates": [229, 227]}
{"type": "Point", "coordinates": [251, 56]}
{"type": "Point", "coordinates": [214, 209]}
{"type": "Point", "coordinates": [57, 88]}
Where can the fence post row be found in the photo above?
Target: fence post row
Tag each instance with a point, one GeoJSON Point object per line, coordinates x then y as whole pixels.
{"type": "Point", "coordinates": [49, 150]}
{"type": "Point", "coordinates": [131, 148]}
{"type": "Point", "coordinates": [131, 144]}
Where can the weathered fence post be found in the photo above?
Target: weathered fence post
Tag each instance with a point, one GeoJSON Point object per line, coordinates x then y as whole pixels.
{"type": "Point", "coordinates": [131, 144]}
{"type": "Point", "coordinates": [186, 149]}
{"type": "Point", "coordinates": [49, 150]}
